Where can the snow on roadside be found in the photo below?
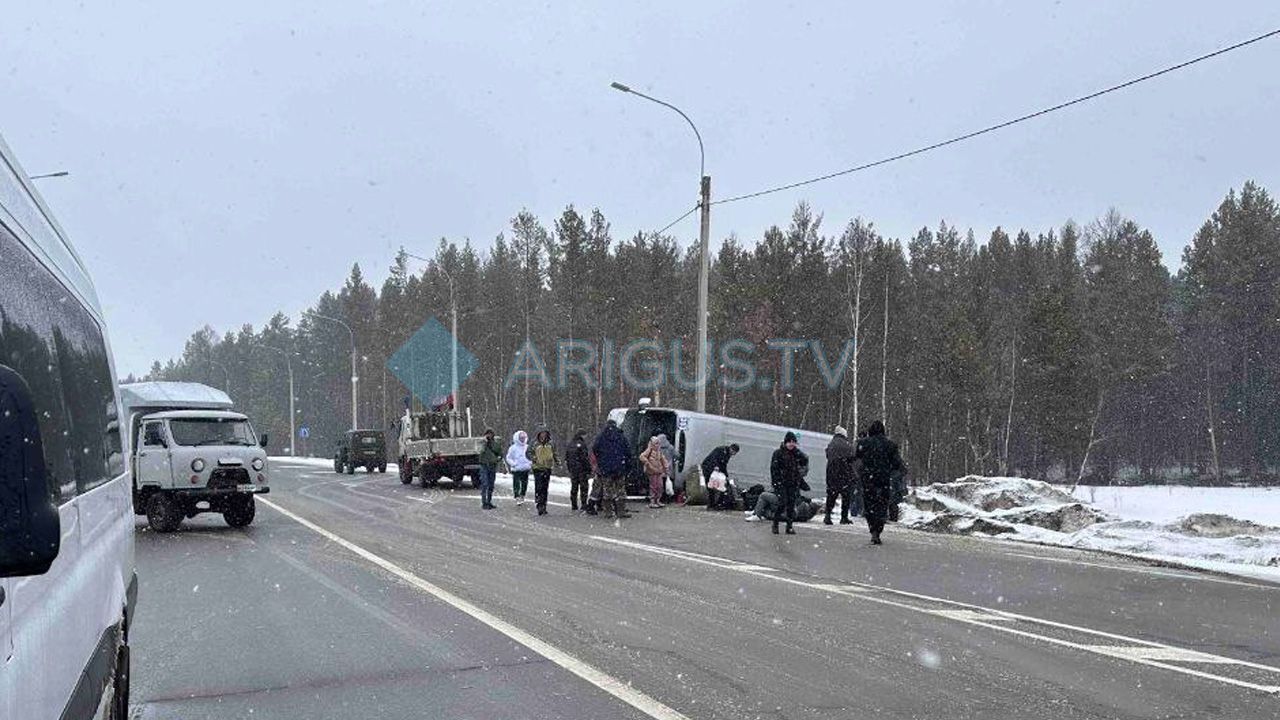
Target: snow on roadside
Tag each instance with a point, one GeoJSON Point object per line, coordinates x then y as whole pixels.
{"type": "Point", "coordinates": [1032, 511]}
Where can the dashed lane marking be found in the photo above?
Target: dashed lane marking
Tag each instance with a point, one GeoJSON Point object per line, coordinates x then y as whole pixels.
{"type": "Point", "coordinates": [615, 687]}
{"type": "Point", "coordinates": [1142, 652]}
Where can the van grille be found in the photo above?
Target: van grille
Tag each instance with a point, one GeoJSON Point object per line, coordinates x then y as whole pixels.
{"type": "Point", "coordinates": [228, 478]}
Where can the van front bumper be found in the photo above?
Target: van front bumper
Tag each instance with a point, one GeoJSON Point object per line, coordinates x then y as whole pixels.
{"type": "Point", "coordinates": [199, 493]}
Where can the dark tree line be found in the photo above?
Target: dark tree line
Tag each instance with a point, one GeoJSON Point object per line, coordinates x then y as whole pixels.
{"type": "Point", "coordinates": [1070, 354]}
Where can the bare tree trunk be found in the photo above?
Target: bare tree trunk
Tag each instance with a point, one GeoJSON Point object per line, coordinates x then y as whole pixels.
{"type": "Point", "coordinates": [855, 312]}
{"type": "Point", "coordinates": [1213, 436]}
{"type": "Point", "coordinates": [1093, 440]}
{"type": "Point", "coordinates": [1008, 422]}
{"type": "Point", "coordinates": [884, 358]}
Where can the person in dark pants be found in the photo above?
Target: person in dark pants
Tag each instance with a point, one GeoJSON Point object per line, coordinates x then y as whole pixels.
{"type": "Point", "coordinates": [840, 476]}
{"type": "Point", "coordinates": [716, 460]}
{"type": "Point", "coordinates": [542, 455]}
{"type": "Point", "coordinates": [519, 465]}
{"type": "Point", "coordinates": [787, 469]}
{"type": "Point", "coordinates": [613, 461]}
{"type": "Point", "coordinates": [880, 464]}
{"type": "Point", "coordinates": [577, 458]}
{"type": "Point", "coordinates": [490, 456]}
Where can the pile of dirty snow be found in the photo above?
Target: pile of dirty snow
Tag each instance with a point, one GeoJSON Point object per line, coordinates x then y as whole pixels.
{"type": "Point", "coordinates": [1034, 511]}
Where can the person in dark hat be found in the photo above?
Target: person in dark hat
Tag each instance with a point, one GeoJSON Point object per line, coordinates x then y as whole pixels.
{"type": "Point", "coordinates": [880, 464]}
{"type": "Point", "coordinates": [840, 475]}
{"type": "Point", "coordinates": [787, 469]}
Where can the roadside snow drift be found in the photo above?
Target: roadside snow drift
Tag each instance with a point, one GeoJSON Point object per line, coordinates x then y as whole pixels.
{"type": "Point", "coordinates": [1035, 511]}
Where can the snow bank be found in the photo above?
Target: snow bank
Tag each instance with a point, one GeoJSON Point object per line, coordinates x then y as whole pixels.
{"type": "Point", "coordinates": [1167, 503]}
{"type": "Point", "coordinates": [1034, 511]}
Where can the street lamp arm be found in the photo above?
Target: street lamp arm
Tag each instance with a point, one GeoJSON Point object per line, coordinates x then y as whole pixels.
{"type": "Point", "coordinates": [701, 150]}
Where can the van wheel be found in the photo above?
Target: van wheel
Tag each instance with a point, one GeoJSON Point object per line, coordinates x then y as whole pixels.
{"type": "Point", "coordinates": [240, 512]}
{"type": "Point", "coordinates": [119, 708]}
{"type": "Point", "coordinates": [164, 514]}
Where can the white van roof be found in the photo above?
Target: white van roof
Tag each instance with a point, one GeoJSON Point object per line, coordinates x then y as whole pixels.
{"type": "Point", "coordinates": [24, 212]}
{"type": "Point", "coordinates": [163, 394]}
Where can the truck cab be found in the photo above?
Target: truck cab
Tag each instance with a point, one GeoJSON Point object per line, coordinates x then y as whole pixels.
{"type": "Point", "coordinates": [192, 455]}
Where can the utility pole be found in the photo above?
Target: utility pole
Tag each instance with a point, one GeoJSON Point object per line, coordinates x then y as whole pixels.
{"type": "Point", "coordinates": [355, 378]}
{"type": "Point", "coordinates": [704, 272]}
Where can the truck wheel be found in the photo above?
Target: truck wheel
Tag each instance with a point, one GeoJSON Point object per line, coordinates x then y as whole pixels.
{"type": "Point", "coordinates": [382, 468]}
{"type": "Point", "coordinates": [475, 480]}
{"type": "Point", "coordinates": [337, 465]}
{"type": "Point", "coordinates": [164, 513]}
{"type": "Point", "coordinates": [240, 512]}
{"type": "Point", "coordinates": [351, 469]}
{"type": "Point", "coordinates": [368, 468]}
{"type": "Point", "coordinates": [406, 471]}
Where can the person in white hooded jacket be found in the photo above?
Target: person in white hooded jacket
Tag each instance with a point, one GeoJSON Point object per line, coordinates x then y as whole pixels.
{"type": "Point", "coordinates": [519, 464]}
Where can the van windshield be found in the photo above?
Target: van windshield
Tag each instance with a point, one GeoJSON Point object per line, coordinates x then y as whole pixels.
{"type": "Point", "coordinates": [211, 431]}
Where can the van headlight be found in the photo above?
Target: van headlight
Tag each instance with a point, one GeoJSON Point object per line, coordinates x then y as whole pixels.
{"type": "Point", "coordinates": [197, 465]}
{"type": "Point", "coordinates": [258, 463]}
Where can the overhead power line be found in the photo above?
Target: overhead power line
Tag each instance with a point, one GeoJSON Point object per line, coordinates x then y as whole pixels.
{"type": "Point", "coordinates": [671, 224]}
{"type": "Point", "coordinates": [999, 126]}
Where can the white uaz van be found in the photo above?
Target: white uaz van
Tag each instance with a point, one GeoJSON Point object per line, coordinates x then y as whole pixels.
{"type": "Point", "coordinates": [191, 454]}
{"type": "Point", "coordinates": [67, 581]}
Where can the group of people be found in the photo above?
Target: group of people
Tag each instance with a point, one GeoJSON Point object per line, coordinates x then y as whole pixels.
{"type": "Point", "coordinates": [606, 459]}
{"type": "Point", "coordinates": [863, 476]}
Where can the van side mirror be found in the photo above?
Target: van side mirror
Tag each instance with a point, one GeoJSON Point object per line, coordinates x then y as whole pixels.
{"type": "Point", "coordinates": [30, 533]}
{"type": "Point", "coordinates": [262, 441]}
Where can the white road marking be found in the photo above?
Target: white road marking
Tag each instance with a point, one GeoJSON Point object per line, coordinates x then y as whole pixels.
{"type": "Point", "coordinates": [615, 687]}
{"type": "Point", "coordinates": [1153, 659]}
{"type": "Point", "coordinates": [973, 615]}
{"type": "Point", "coordinates": [1158, 653]}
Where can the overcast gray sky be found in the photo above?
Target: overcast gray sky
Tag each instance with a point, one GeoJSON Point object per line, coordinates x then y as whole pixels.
{"type": "Point", "coordinates": [231, 159]}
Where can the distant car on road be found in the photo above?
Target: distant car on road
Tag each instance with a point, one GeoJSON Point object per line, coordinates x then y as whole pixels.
{"type": "Point", "coordinates": [361, 448]}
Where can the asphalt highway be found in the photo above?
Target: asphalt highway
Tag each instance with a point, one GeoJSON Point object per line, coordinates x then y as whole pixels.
{"type": "Point", "coordinates": [358, 597]}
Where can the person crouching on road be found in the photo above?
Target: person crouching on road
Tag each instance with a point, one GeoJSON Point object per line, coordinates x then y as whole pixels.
{"type": "Point", "coordinates": [716, 461]}
{"type": "Point", "coordinates": [519, 465]}
{"type": "Point", "coordinates": [654, 462]}
{"type": "Point", "coordinates": [880, 464]}
{"type": "Point", "coordinates": [613, 460]}
{"type": "Point", "coordinates": [490, 456]}
{"type": "Point", "coordinates": [543, 457]}
{"type": "Point", "coordinates": [577, 458]}
{"type": "Point", "coordinates": [787, 469]}
{"type": "Point", "coordinates": [840, 475]}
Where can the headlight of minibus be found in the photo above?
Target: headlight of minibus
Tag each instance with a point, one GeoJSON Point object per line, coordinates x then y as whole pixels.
{"type": "Point", "coordinates": [197, 465]}
{"type": "Point", "coordinates": [258, 463]}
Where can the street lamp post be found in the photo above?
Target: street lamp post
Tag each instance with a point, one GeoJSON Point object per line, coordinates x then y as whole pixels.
{"type": "Point", "coordinates": [288, 363]}
{"type": "Point", "coordinates": [226, 376]}
{"type": "Point", "coordinates": [453, 331]}
{"type": "Point", "coordinates": [704, 265]}
{"type": "Point", "coordinates": [355, 379]}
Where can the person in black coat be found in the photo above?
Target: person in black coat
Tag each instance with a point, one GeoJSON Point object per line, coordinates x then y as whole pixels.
{"type": "Point", "coordinates": [840, 475]}
{"type": "Point", "coordinates": [787, 469]}
{"type": "Point", "coordinates": [717, 459]}
{"type": "Point", "coordinates": [577, 458]}
{"type": "Point", "coordinates": [881, 464]}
